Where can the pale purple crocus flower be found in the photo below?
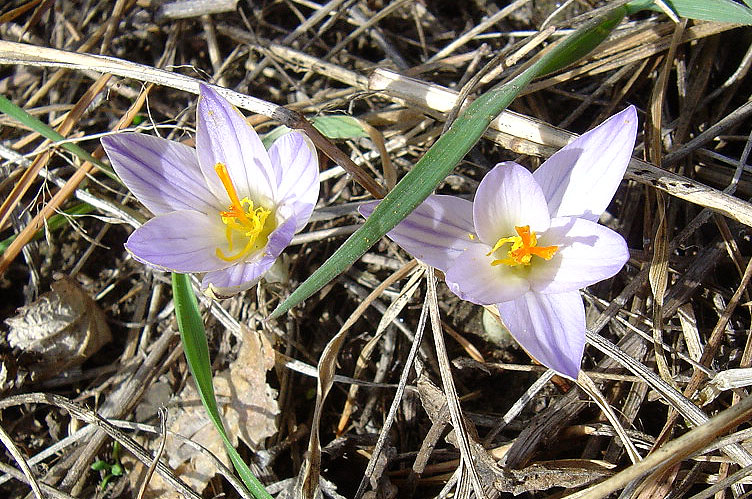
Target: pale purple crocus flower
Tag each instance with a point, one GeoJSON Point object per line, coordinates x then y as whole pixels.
{"type": "Point", "coordinates": [530, 241]}
{"type": "Point", "coordinates": [227, 208]}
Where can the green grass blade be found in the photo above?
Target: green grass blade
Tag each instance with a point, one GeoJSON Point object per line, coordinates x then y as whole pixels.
{"type": "Point", "coordinates": [193, 336]}
{"type": "Point", "coordinates": [725, 11]}
{"type": "Point", "coordinates": [446, 153]}
{"type": "Point", "coordinates": [47, 132]}
{"type": "Point", "coordinates": [53, 223]}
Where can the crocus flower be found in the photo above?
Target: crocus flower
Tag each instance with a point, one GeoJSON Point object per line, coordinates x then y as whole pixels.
{"type": "Point", "coordinates": [530, 241]}
{"type": "Point", "coordinates": [226, 208]}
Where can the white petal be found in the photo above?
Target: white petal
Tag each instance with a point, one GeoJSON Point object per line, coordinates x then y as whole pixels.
{"type": "Point", "coordinates": [162, 174]}
{"type": "Point", "coordinates": [551, 328]}
{"type": "Point", "coordinates": [508, 197]}
{"type": "Point", "coordinates": [588, 253]}
{"type": "Point", "coordinates": [296, 163]}
{"type": "Point", "coordinates": [581, 178]}
{"type": "Point", "coordinates": [472, 277]}
{"type": "Point", "coordinates": [436, 232]}
{"type": "Point", "coordinates": [223, 136]}
{"type": "Point", "coordinates": [180, 241]}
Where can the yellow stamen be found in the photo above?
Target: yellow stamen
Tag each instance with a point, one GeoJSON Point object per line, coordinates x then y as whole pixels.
{"type": "Point", "coordinates": [524, 247]}
{"type": "Point", "coordinates": [242, 223]}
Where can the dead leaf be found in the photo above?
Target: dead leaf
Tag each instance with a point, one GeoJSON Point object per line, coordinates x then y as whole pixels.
{"type": "Point", "coordinates": [252, 407]}
{"type": "Point", "coordinates": [61, 329]}
{"type": "Point", "coordinates": [249, 409]}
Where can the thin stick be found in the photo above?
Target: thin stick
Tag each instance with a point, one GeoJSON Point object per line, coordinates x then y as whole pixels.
{"type": "Point", "coordinates": [586, 384]}
{"type": "Point", "coordinates": [104, 425]}
{"type": "Point", "coordinates": [21, 53]}
{"type": "Point", "coordinates": [64, 193]}
{"type": "Point", "coordinates": [158, 455]}
{"type": "Point", "coordinates": [449, 390]}
{"type": "Point", "coordinates": [21, 460]}
{"type": "Point", "coordinates": [395, 403]}
{"type": "Point", "coordinates": [674, 451]}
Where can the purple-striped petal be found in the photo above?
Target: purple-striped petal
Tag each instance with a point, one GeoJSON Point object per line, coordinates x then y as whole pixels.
{"type": "Point", "coordinates": [245, 275]}
{"type": "Point", "coordinates": [223, 136]}
{"type": "Point", "coordinates": [580, 179]}
{"type": "Point", "coordinates": [232, 280]}
{"type": "Point", "coordinates": [296, 165]}
{"type": "Point", "coordinates": [180, 241]}
{"type": "Point", "coordinates": [588, 253]}
{"type": "Point", "coordinates": [551, 328]}
{"type": "Point", "coordinates": [508, 197]}
{"type": "Point", "coordinates": [436, 232]}
{"type": "Point", "coordinates": [162, 174]}
{"type": "Point", "coordinates": [472, 277]}
{"type": "Point", "coordinates": [281, 237]}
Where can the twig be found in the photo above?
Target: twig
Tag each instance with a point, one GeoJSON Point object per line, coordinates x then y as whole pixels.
{"type": "Point", "coordinates": [21, 53]}
{"type": "Point", "coordinates": [449, 390]}
{"type": "Point", "coordinates": [50, 491]}
{"type": "Point", "coordinates": [674, 451]}
{"type": "Point", "coordinates": [21, 460]}
{"type": "Point", "coordinates": [95, 419]}
{"type": "Point", "coordinates": [158, 455]}
{"type": "Point", "coordinates": [383, 435]}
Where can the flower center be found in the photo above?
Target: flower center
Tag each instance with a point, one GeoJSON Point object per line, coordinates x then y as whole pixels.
{"type": "Point", "coordinates": [247, 228]}
{"type": "Point", "coordinates": [524, 247]}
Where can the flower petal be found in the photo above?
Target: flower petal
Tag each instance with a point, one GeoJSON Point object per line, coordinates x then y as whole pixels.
{"type": "Point", "coordinates": [232, 280]}
{"type": "Point", "coordinates": [281, 237]}
{"type": "Point", "coordinates": [296, 165]}
{"type": "Point", "coordinates": [588, 253]}
{"type": "Point", "coordinates": [436, 232]}
{"type": "Point", "coordinates": [508, 197]}
{"type": "Point", "coordinates": [551, 328]}
{"type": "Point", "coordinates": [580, 179]}
{"type": "Point", "coordinates": [181, 241]}
{"type": "Point", "coordinates": [163, 175]}
{"type": "Point", "coordinates": [223, 136]}
{"type": "Point", "coordinates": [472, 278]}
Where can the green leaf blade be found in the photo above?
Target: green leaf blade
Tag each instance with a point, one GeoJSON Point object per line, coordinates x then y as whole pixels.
{"type": "Point", "coordinates": [724, 11]}
{"type": "Point", "coordinates": [445, 154]}
{"type": "Point", "coordinates": [196, 348]}
{"type": "Point", "coordinates": [19, 114]}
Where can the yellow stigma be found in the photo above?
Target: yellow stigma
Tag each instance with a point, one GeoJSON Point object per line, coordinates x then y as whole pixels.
{"type": "Point", "coordinates": [524, 247]}
{"type": "Point", "coordinates": [247, 228]}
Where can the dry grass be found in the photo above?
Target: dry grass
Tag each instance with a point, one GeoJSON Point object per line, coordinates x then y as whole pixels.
{"type": "Point", "coordinates": [670, 334]}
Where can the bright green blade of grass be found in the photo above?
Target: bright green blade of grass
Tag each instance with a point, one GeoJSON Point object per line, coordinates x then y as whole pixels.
{"type": "Point", "coordinates": [47, 132]}
{"type": "Point", "coordinates": [193, 336]}
{"type": "Point", "coordinates": [725, 11]}
{"type": "Point", "coordinates": [53, 223]}
{"type": "Point", "coordinates": [447, 152]}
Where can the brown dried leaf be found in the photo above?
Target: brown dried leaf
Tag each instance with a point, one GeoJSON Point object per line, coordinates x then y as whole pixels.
{"type": "Point", "coordinates": [252, 407]}
{"type": "Point", "coordinates": [62, 329]}
{"type": "Point", "coordinates": [248, 406]}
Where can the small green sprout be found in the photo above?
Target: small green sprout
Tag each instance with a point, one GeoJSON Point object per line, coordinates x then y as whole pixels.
{"type": "Point", "coordinates": [111, 469]}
